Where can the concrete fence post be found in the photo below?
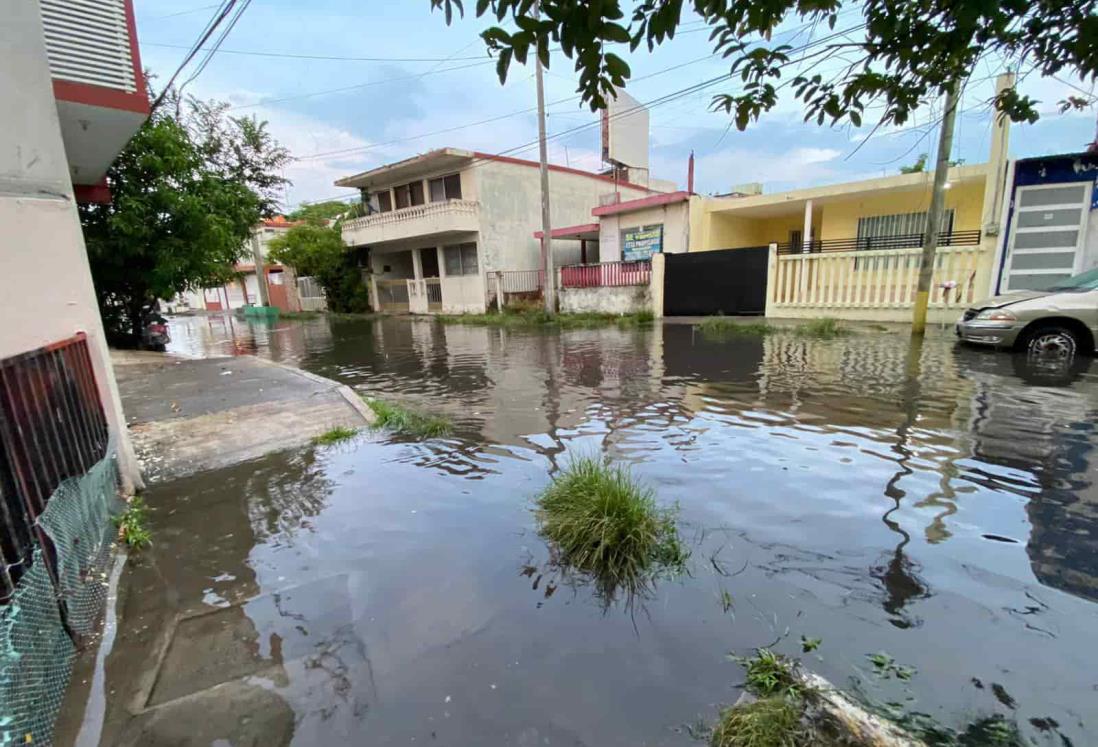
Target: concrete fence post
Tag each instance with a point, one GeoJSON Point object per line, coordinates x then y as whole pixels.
{"type": "Point", "coordinates": [375, 299]}
{"type": "Point", "coordinates": [771, 279]}
{"type": "Point", "coordinates": [499, 291]}
{"type": "Point", "coordinates": [655, 283]}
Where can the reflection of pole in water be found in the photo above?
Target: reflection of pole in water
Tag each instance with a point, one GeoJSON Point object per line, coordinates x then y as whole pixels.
{"type": "Point", "coordinates": [898, 573]}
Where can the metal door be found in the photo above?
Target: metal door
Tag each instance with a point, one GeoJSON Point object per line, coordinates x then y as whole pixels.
{"type": "Point", "coordinates": [1046, 239]}
{"type": "Point", "coordinates": [726, 281]}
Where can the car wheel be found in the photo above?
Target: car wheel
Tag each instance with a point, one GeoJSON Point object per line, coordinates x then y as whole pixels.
{"type": "Point", "coordinates": [1052, 343]}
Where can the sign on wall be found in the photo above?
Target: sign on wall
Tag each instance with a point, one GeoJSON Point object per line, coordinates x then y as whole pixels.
{"type": "Point", "coordinates": [639, 244]}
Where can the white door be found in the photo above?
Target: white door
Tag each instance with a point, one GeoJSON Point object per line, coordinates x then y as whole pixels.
{"type": "Point", "coordinates": [1047, 236]}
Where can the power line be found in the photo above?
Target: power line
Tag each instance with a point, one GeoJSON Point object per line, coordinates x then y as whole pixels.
{"type": "Point", "coordinates": [489, 120]}
{"type": "Point", "coordinates": [337, 58]}
{"type": "Point", "coordinates": [207, 32]}
{"type": "Point", "coordinates": [213, 50]}
{"type": "Point", "coordinates": [183, 13]}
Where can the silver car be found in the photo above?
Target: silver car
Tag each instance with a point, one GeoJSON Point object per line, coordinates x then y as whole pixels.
{"type": "Point", "coordinates": [1056, 322]}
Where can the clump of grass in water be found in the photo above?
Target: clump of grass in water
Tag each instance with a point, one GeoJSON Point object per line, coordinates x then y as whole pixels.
{"type": "Point", "coordinates": [335, 436]}
{"type": "Point", "coordinates": [770, 674]}
{"type": "Point", "coordinates": [770, 722]}
{"type": "Point", "coordinates": [824, 329]}
{"type": "Point", "coordinates": [409, 422]}
{"type": "Point", "coordinates": [721, 327]}
{"type": "Point", "coordinates": [132, 526]}
{"type": "Point", "coordinates": [608, 525]}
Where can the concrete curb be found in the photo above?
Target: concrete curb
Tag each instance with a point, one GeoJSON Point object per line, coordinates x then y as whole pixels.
{"type": "Point", "coordinates": [343, 390]}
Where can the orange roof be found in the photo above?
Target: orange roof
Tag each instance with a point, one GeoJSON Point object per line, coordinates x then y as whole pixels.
{"type": "Point", "coordinates": [280, 221]}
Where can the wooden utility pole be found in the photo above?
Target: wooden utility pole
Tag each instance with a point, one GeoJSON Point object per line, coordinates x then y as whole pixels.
{"type": "Point", "coordinates": [934, 215]}
{"type": "Point", "coordinates": [550, 290]}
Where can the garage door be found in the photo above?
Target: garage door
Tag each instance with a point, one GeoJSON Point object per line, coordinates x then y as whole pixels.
{"type": "Point", "coordinates": [1049, 227]}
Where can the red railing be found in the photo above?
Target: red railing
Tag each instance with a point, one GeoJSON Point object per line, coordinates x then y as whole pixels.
{"type": "Point", "coordinates": [52, 427]}
{"type": "Point", "coordinates": [606, 275]}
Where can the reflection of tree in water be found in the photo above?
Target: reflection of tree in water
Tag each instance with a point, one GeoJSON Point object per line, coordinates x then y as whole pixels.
{"type": "Point", "coordinates": [284, 492]}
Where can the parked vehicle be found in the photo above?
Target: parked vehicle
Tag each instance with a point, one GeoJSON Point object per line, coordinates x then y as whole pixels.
{"type": "Point", "coordinates": [155, 335]}
{"type": "Point", "coordinates": [1057, 322]}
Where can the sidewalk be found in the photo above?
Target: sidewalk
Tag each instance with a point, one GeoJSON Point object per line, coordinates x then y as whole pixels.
{"type": "Point", "coordinates": [190, 415]}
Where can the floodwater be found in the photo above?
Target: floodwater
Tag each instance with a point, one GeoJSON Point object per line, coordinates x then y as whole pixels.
{"type": "Point", "coordinates": [938, 506]}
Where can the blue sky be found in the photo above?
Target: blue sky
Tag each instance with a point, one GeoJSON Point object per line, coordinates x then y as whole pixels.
{"type": "Point", "coordinates": [392, 108]}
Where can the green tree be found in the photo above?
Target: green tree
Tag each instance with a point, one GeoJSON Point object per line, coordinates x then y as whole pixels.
{"type": "Point", "coordinates": [900, 54]}
{"type": "Point", "coordinates": [320, 212]}
{"type": "Point", "coordinates": [173, 224]}
{"type": "Point", "coordinates": [319, 251]}
{"type": "Point", "coordinates": [916, 168]}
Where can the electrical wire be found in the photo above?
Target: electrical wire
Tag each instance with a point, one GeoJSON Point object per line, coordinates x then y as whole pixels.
{"type": "Point", "coordinates": [207, 32]}
{"type": "Point", "coordinates": [217, 44]}
{"type": "Point", "coordinates": [335, 58]}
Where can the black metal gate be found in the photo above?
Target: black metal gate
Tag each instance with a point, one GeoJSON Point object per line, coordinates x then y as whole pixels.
{"type": "Point", "coordinates": [726, 281]}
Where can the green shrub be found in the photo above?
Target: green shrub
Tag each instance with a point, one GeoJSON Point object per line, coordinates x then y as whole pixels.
{"type": "Point", "coordinates": [409, 422]}
{"type": "Point", "coordinates": [770, 722]}
{"type": "Point", "coordinates": [335, 436]}
{"type": "Point", "coordinates": [606, 524]}
{"type": "Point", "coordinates": [132, 524]}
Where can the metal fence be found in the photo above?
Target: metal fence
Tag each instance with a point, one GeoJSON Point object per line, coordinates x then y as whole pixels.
{"type": "Point", "coordinates": [311, 295]}
{"type": "Point", "coordinates": [58, 492]}
{"type": "Point", "coordinates": [392, 295]}
{"type": "Point", "coordinates": [873, 243]}
{"type": "Point", "coordinates": [522, 281]}
{"type": "Point", "coordinates": [52, 427]}
{"type": "Point", "coordinates": [606, 275]}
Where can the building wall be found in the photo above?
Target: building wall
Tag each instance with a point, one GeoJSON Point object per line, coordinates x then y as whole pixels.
{"type": "Point", "coordinates": [510, 210]}
{"type": "Point", "coordinates": [840, 220]}
{"type": "Point", "coordinates": [675, 219]}
{"type": "Point", "coordinates": [48, 293]}
{"type": "Point", "coordinates": [627, 300]}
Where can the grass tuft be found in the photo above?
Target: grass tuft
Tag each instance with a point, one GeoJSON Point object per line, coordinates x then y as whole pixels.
{"type": "Point", "coordinates": [770, 722]}
{"type": "Point", "coordinates": [335, 435]}
{"type": "Point", "coordinates": [720, 327]}
{"type": "Point", "coordinates": [409, 422]}
{"type": "Point", "coordinates": [770, 674]}
{"type": "Point", "coordinates": [132, 524]}
{"type": "Point", "coordinates": [606, 524]}
{"type": "Point", "coordinates": [534, 317]}
{"type": "Point", "coordinates": [824, 329]}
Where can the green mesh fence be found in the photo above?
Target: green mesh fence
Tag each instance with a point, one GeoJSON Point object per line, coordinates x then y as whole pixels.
{"type": "Point", "coordinates": [36, 650]}
{"type": "Point", "coordinates": [35, 660]}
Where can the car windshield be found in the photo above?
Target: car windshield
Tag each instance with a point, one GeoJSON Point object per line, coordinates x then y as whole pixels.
{"type": "Point", "coordinates": [1084, 281]}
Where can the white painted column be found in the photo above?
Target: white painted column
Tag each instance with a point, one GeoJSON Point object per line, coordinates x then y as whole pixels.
{"type": "Point", "coordinates": [806, 237]}
{"type": "Point", "coordinates": [417, 265]}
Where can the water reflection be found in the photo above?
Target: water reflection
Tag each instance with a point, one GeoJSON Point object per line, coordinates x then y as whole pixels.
{"type": "Point", "coordinates": [934, 501]}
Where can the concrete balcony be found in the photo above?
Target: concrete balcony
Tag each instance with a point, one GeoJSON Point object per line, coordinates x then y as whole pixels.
{"type": "Point", "coordinates": [435, 219]}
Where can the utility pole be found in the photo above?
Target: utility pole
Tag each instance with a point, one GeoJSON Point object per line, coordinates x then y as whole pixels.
{"type": "Point", "coordinates": [550, 290]}
{"type": "Point", "coordinates": [260, 271]}
{"type": "Point", "coordinates": [934, 215]}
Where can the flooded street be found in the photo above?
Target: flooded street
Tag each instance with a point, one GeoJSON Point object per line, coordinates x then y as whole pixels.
{"type": "Point", "coordinates": [938, 506]}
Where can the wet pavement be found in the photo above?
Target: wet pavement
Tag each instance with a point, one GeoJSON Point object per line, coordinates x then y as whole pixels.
{"type": "Point", "coordinates": [938, 505]}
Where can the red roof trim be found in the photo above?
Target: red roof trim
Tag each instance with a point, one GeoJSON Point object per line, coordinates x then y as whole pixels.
{"type": "Point", "coordinates": [629, 206]}
{"type": "Point", "coordinates": [107, 98]}
{"type": "Point", "coordinates": [561, 169]}
{"type": "Point", "coordinates": [569, 232]}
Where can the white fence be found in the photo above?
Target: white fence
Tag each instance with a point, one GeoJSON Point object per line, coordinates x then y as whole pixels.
{"type": "Point", "coordinates": [873, 285]}
{"type": "Point", "coordinates": [311, 295]}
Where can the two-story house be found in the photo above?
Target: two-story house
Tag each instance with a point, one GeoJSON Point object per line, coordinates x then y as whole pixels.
{"type": "Point", "coordinates": [439, 225]}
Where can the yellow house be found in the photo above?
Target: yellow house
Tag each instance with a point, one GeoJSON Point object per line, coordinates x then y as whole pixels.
{"type": "Point", "coordinates": [853, 250]}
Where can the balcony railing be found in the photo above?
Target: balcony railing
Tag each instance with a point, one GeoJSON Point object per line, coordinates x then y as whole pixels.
{"type": "Point", "coordinates": [416, 212]}
{"type": "Point", "coordinates": [606, 275]}
{"type": "Point", "coordinates": [866, 243]}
